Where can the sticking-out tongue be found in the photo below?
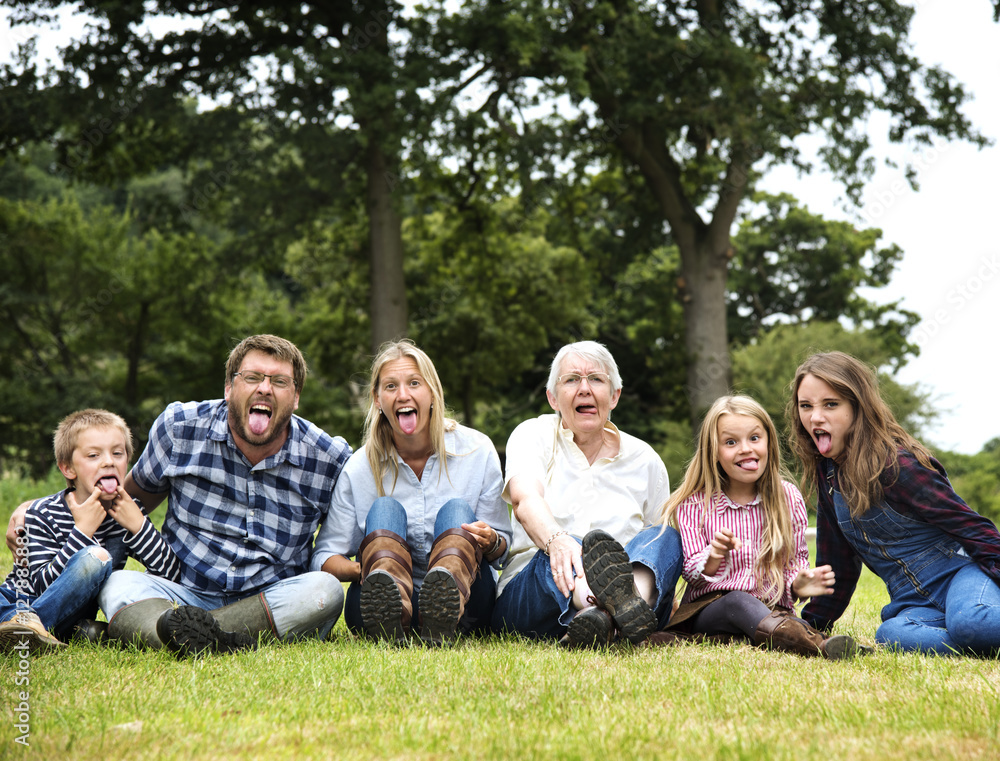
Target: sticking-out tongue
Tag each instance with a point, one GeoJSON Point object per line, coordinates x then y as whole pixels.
{"type": "Point", "coordinates": [258, 421]}
{"type": "Point", "coordinates": [108, 484]}
{"type": "Point", "coordinates": [750, 465]}
{"type": "Point", "coordinates": [407, 421]}
{"type": "Point", "coordinates": [824, 443]}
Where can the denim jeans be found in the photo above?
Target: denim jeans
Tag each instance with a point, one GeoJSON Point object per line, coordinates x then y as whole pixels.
{"type": "Point", "coordinates": [939, 599]}
{"type": "Point", "coordinates": [304, 605]}
{"type": "Point", "coordinates": [531, 603]}
{"type": "Point", "coordinates": [72, 596]}
{"type": "Point", "coordinates": [388, 514]}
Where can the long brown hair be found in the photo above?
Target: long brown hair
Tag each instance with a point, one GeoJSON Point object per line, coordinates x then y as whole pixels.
{"type": "Point", "coordinates": [705, 474]}
{"type": "Point", "coordinates": [378, 443]}
{"type": "Point", "coordinates": [872, 443]}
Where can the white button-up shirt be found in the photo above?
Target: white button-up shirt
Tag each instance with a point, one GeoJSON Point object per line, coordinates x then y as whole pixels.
{"type": "Point", "coordinates": [620, 494]}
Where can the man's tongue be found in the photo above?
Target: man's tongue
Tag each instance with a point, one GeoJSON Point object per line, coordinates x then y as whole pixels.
{"type": "Point", "coordinates": [108, 484]}
{"type": "Point", "coordinates": [407, 421]}
{"type": "Point", "coordinates": [824, 443]}
{"type": "Point", "coordinates": [258, 422]}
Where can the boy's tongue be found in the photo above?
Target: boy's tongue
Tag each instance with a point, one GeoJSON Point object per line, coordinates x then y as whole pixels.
{"type": "Point", "coordinates": [258, 422]}
{"type": "Point", "coordinates": [824, 443]}
{"type": "Point", "coordinates": [108, 484]}
{"type": "Point", "coordinates": [407, 421]}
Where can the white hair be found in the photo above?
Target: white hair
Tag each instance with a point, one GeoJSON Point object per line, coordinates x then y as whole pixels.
{"type": "Point", "coordinates": [589, 350]}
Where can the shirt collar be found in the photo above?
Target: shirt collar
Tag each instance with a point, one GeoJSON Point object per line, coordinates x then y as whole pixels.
{"type": "Point", "coordinates": [723, 503]}
{"type": "Point", "coordinates": [567, 435]}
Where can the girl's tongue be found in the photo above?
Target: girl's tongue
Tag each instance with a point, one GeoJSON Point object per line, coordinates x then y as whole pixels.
{"type": "Point", "coordinates": [407, 421]}
{"type": "Point", "coordinates": [258, 421]}
{"type": "Point", "coordinates": [824, 443]}
{"type": "Point", "coordinates": [750, 465]}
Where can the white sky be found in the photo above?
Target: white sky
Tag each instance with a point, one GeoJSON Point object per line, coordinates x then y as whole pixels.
{"type": "Point", "coordinates": [950, 273]}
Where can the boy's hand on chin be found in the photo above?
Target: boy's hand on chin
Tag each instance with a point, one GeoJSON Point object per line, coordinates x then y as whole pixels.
{"type": "Point", "coordinates": [88, 515]}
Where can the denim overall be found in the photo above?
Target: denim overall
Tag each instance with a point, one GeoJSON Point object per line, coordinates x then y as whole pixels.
{"type": "Point", "coordinates": [939, 599]}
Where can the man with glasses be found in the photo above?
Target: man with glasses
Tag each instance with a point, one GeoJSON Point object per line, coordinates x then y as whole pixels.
{"type": "Point", "coordinates": [248, 483]}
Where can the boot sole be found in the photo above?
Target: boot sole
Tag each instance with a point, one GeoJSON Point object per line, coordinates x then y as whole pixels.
{"type": "Point", "coordinates": [188, 630]}
{"type": "Point", "coordinates": [839, 647]}
{"type": "Point", "coordinates": [37, 644]}
{"type": "Point", "coordinates": [609, 573]}
{"type": "Point", "coordinates": [589, 628]}
{"type": "Point", "coordinates": [440, 606]}
{"type": "Point", "coordinates": [382, 607]}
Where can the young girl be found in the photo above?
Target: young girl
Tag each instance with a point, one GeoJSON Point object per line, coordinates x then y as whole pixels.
{"type": "Point", "coordinates": [743, 533]}
{"type": "Point", "coordinates": [885, 502]}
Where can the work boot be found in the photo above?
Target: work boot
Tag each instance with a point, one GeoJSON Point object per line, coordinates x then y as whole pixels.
{"type": "Point", "coordinates": [136, 623]}
{"type": "Point", "coordinates": [188, 630]}
{"type": "Point", "coordinates": [454, 565]}
{"type": "Point", "coordinates": [386, 586]}
{"type": "Point", "coordinates": [250, 616]}
{"type": "Point", "coordinates": [609, 574]}
{"type": "Point", "coordinates": [89, 630]}
{"type": "Point", "coordinates": [591, 627]}
{"type": "Point", "coordinates": [782, 631]}
{"type": "Point", "coordinates": [25, 629]}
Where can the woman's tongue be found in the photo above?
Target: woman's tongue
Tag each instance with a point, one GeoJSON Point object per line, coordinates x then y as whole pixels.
{"type": "Point", "coordinates": [407, 421]}
{"type": "Point", "coordinates": [824, 443]}
{"type": "Point", "coordinates": [258, 422]}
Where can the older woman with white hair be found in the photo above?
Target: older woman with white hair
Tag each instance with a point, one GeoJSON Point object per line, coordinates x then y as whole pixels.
{"type": "Point", "coordinates": [586, 560]}
{"type": "Point", "coordinates": [419, 508]}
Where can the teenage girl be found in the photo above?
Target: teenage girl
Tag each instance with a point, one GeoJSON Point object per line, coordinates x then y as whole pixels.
{"type": "Point", "coordinates": [743, 535]}
{"type": "Point", "coordinates": [885, 502]}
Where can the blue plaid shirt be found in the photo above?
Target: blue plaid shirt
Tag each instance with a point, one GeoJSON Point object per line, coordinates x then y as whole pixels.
{"type": "Point", "coordinates": [919, 493]}
{"type": "Point", "coordinates": [238, 528]}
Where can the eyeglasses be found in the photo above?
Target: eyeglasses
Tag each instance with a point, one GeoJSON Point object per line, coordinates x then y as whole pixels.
{"type": "Point", "coordinates": [252, 378]}
{"type": "Point", "coordinates": [594, 380]}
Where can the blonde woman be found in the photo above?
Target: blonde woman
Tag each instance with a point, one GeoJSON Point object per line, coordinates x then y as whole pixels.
{"type": "Point", "coordinates": [418, 508]}
{"type": "Point", "coordinates": [743, 532]}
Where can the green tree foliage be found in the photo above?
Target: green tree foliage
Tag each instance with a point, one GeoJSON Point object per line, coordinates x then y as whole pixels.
{"type": "Point", "coordinates": [700, 97]}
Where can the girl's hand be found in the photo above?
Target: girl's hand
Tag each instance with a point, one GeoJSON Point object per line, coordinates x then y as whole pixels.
{"type": "Point", "coordinates": [814, 582]}
{"type": "Point", "coordinates": [126, 512]}
{"type": "Point", "coordinates": [724, 542]}
{"type": "Point", "coordinates": [87, 517]}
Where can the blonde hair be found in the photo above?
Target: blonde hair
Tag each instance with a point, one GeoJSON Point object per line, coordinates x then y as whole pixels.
{"type": "Point", "coordinates": [378, 443]}
{"type": "Point", "coordinates": [872, 443]}
{"type": "Point", "coordinates": [280, 348]}
{"type": "Point", "coordinates": [705, 475]}
{"type": "Point", "coordinates": [67, 433]}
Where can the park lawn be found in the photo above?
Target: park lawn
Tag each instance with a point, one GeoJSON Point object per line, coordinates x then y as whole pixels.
{"type": "Point", "coordinates": [503, 698]}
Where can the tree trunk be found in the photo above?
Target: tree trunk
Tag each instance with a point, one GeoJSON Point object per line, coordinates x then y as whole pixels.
{"type": "Point", "coordinates": [388, 287]}
{"type": "Point", "coordinates": [703, 293]}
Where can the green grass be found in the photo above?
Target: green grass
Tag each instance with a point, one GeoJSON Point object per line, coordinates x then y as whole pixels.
{"type": "Point", "coordinates": [505, 698]}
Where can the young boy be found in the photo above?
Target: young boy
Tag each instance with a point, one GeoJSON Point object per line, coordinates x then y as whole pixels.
{"type": "Point", "coordinates": [76, 538]}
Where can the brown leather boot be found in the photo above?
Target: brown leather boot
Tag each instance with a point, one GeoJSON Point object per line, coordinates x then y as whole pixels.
{"type": "Point", "coordinates": [453, 566]}
{"type": "Point", "coordinates": [782, 631]}
{"type": "Point", "coordinates": [386, 585]}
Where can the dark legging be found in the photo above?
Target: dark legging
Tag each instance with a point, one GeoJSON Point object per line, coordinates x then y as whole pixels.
{"type": "Point", "coordinates": [733, 613]}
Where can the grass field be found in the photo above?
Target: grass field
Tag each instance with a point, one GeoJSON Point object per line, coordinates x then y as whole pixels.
{"type": "Point", "coordinates": [500, 699]}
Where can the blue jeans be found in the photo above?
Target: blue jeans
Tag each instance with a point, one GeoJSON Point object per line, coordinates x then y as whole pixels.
{"type": "Point", "coordinates": [72, 596]}
{"type": "Point", "coordinates": [302, 606]}
{"type": "Point", "coordinates": [970, 622]}
{"type": "Point", "coordinates": [388, 514]}
{"type": "Point", "coordinates": [940, 601]}
{"type": "Point", "coordinates": [531, 603]}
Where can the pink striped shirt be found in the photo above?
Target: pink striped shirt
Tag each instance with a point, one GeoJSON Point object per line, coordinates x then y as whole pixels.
{"type": "Point", "coordinates": [698, 526]}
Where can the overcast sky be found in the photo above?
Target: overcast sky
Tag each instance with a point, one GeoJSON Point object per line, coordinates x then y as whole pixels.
{"type": "Point", "coordinates": [950, 274]}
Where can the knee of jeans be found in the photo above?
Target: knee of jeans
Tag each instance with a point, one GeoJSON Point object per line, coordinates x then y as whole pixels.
{"type": "Point", "coordinates": [453, 514]}
{"type": "Point", "coordinates": [328, 592]}
{"type": "Point", "coordinates": [95, 561]}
